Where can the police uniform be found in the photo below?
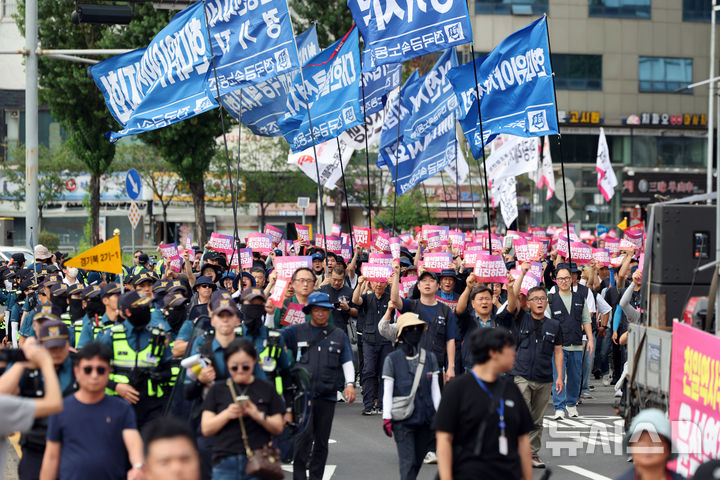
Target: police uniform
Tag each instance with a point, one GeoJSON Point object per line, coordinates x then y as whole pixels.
{"type": "Point", "coordinates": [96, 324]}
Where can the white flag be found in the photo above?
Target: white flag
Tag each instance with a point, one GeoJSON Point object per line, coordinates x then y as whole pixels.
{"type": "Point", "coordinates": [544, 176]}
{"type": "Point", "coordinates": [327, 161]}
{"type": "Point", "coordinates": [507, 189]}
{"type": "Point", "coordinates": [462, 166]}
{"type": "Point", "coordinates": [516, 156]}
{"type": "Point", "coordinates": [606, 179]}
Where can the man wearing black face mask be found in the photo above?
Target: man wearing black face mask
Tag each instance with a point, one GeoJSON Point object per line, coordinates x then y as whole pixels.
{"type": "Point", "coordinates": [141, 361]}
{"type": "Point", "coordinates": [76, 312]}
{"type": "Point", "coordinates": [175, 310]}
{"type": "Point", "coordinates": [413, 434]}
{"type": "Point", "coordinates": [101, 311]}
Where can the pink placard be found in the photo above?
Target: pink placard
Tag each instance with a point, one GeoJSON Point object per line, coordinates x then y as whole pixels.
{"type": "Point", "coordinates": [612, 245]}
{"type": "Point", "coordinates": [395, 247]}
{"type": "Point", "coordinates": [441, 229]}
{"type": "Point", "coordinates": [275, 233]}
{"type": "Point", "coordinates": [259, 242]}
{"type": "Point", "coordinates": [457, 239]}
{"type": "Point", "coordinates": [641, 262]}
{"type": "Point", "coordinates": [694, 402]}
{"type": "Point", "coordinates": [562, 245]}
{"type": "Point", "coordinates": [470, 257]}
{"type": "Point", "coordinates": [362, 236]}
{"type": "Point", "coordinates": [294, 315]}
{"type": "Point", "coordinates": [635, 237]}
{"type": "Point", "coordinates": [615, 262]}
{"type": "Point", "coordinates": [246, 258]}
{"type": "Point", "coordinates": [436, 262]}
{"type": "Point", "coordinates": [546, 244]}
{"type": "Point", "coordinates": [382, 243]}
{"type": "Point", "coordinates": [336, 229]}
{"type": "Point", "coordinates": [188, 243]}
{"type": "Point", "coordinates": [169, 250]}
{"type": "Point", "coordinates": [626, 245]}
{"type": "Point", "coordinates": [536, 269]}
{"type": "Point", "coordinates": [334, 244]}
{"type": "Point", "coordinates": [535, 249]}
{"type": "Point", "coordinates": [586, 235]}
{"type": "Point", "coordinates": [601, 256]}
{"type": "Point", "coordinates": [380, 258]}
{"type": "Point", "coordinates": [530, 280]}
{"type": "Point", "coordinates": [490, 269]}
{"type": "Point", "coordinates": [522, 251]}
{"type": "Point", "coordinates": [303, 232]}
{"type": "Point", "coordinates": [221, 243]}
{"type": "Point", "coordinates": [406, 285]}
{"type": "Point", "coordinates": [286, 266]}
{"type": "Point", "coordinates": [346, 253]}
{"type": "Point", "coordinates": [375, 272]}
{"type": "Point", "coordinates": [434, 242]}
{"type": "Point", "coordinates": [497, 242]}
{"type": "Point", "coordinates": [345, 238]}
{"type": "Point", "coordinates": [581, 253]}
{"type": "Point", "coordinates": [277, 296]}
{"type": "Point", "coordinates": [320, 240]}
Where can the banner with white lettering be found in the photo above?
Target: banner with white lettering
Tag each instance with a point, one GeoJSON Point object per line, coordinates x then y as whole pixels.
{"type": "Point", "coordinates": [431, 99]}
{"type": "Point", "coordinates": [261, 105]}
{"type": "Point", "coordinates": [516, 156]}
{"type": "Point", "coordinates": [376, 86]}
{"type": "Point", "coordinates": [507, 189]}
{"type": "Point", "coordinates": [331, 88]}
{"type": "Point", "coordinates": [397, 109]}
{"type": "Point", "coordinates": [355, 136]}
{"type": "Point", "coordinates": [515, 86]}
{"type": "Point", "coordinates": [398, 30]}
{"type": "Point", "coordinates": [328, 158]}
{"type": "Point", "coordinates": [252, 41]}
{"type": "Point", "coordinates": [161, 84]}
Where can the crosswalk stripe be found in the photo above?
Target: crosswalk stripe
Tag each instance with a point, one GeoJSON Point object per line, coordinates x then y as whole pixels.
{"type": "Point", "coordinates": [584, 472]}
{"type": "Point", "coordinates": [329, 471]}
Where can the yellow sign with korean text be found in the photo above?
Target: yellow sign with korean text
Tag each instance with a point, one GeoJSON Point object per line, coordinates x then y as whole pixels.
{"type": "Point", "coordinates": [105, 257]}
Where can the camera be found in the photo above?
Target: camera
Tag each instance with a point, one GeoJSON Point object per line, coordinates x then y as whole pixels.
{"type": "Point", "coordinates": [12, 355]}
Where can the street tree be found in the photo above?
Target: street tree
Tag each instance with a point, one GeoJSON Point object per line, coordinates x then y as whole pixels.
{"type": "Point", "coordinates": [409, 211]}
{"type": "Point", "coordinates": [332, 18]}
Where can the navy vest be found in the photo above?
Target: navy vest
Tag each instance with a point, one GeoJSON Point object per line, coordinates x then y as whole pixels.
{"type": "Point", "coordinates": [322, 360]}
{"type": "Point", "coordinates": [570, 322]}
{"type": "Point", "coordinates": [535, 348]}
{"type": "Point", "coordinates": [424, 409]}
{"type": "Point", "coordinates": [434, 340]}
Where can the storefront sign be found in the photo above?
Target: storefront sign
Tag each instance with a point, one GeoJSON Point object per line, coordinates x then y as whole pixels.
{"type": "Point", "coordinates": [644, 186]}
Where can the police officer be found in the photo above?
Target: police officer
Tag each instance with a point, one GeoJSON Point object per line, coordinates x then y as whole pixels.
{"type": "Point", "coordinates": [538, 340]}
{"type": "Point", "coordinates": [101, 311]}
{"type": "Point", "coordinates": [41, 298]}
{"type": "Point", "coordinates": [571, 310]}
{"type": "Point", "coordinates": [53, 335]}
{"type": "Point", "coordinates": [323, 350]}
{"type": "Point", "coordinates": [141, 359]}
{"type": "Point", "coordinates": [143, 264]}
{"type": "Point", "coordinates": [76, 311]}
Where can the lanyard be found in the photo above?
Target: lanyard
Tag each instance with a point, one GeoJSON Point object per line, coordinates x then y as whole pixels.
{"type": "Point", "coordinates": [500, 407]}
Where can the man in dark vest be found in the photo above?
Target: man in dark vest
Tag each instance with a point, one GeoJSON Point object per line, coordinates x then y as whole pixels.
{"type": "Point", "coordinates": [323, 350]}
{"type": "Point", "coordinates": [569, 308]}
{"type": "Point", "coordinates": [538, 343]}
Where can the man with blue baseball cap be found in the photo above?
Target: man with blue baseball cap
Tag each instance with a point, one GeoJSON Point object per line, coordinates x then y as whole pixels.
{"type": "Point", "coordinates": [323, 350]}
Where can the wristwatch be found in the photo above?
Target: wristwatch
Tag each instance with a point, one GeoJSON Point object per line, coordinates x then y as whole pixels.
{"type": "Point", "coordinates": [351, 384]}
{"type": "Point", "coordinates": [138, 465]}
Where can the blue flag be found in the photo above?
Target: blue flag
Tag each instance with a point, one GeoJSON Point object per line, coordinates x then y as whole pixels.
{"type": "Point", "coordinates": [516, 89]}
{"type": "Point", "coordinates": [332, 89]}
{"type": "Point", "coordinates": [602, 229]}
{"type": "Point", "coordinates": [397, 111]}
{"type": "Point", "coordinates": [252, 42]}
{"type": "Point", "coordinates": [377, 85]}
{"type": "Point", "coordinates": [163, 83]}
{"type": "Point", "coordinates": [263, 104]}
{"type": "Point", "coordinates": [398, 30]}
{"type": "Point", "coordinates": [421, 159]}
{"type": "Point", "coordinates": [432, 99]}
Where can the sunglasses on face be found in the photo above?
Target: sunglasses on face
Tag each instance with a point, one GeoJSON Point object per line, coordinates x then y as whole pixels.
{"type": "Point", "coordinates": [235, 368]}
{"type": "Point", "coordinates": [204, 286]}
{"type": "Point", "coordinates": [100, 370]}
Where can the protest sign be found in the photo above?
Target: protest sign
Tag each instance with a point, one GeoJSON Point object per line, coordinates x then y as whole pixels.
{"type": "Point", "coordinates": [275, 233]}
{"type": "Point", "coordinates": [613, 245]}
{"type": "Point", "coordinates": [303, 232]}
{"type": "Point", "coordinates": [380, 258]}
{"type": "Point", "coordinates": [375, 272]}
{"type": "Point", "coordinates": [294, 315]}
{"type": "Point", "coordinates": [221, 243]}
{"type": "Point", "coordinates": [438, 261]}
{"type": "Point", "coordinates": [334, 244]}
{"type": "Point", "coordinates": [336, 229]}
{"type": "Point", "coordinates": [406, 285]}
{"type": "Point", "coordinates": [535, 250]}
{"type": "Point", "coordinates": [277, 296]}
{"type": "Point", "coordinates": [470, 257]}
{"type": "Point", "coordinates": [530, 280]}
{"type": "Point", "coordinates": [286, 266]}
{"type": "Point", "coordinates": [522, 251]}
{"type": "Point", "coordinates": [382, 242]}
{"type": "Point", "coordinates": [490, 269]}
{"type": "Point", "coordinates": [346, 253]}
{"type": "Point", "coordinates": [434, 242]}
{"type": "Point", "coordinates": [601, 256]}
{"type": "Point", "coordinates": [259, 242]}
{"type": "Point", "coordinates": [362, 236]}
{"type": "Point", "coordinates": [395, 247]}
{"type": "Point", "coordinates": [581, 253]}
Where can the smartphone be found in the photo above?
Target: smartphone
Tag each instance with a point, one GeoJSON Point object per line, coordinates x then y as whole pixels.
{"type": "Point", "coordinates": [241, 400]}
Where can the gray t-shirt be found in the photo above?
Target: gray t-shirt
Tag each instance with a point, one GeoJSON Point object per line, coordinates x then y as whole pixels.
{"type": "Point", "coordinates": [388, 371]}
{"type": "Point", "coordinates": [18, 416]}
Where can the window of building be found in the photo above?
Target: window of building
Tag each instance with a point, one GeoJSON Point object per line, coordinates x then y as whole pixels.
{"type": "Point", "coordinates": [9, 8]}
{"type": "Point", "coordinates": [511, 7]}
{"type": "Point", "coordinates": [577, 72]}
{"type": "Point", "coordinates": [619, 8]}
{"type": "Point", "coordinates": [696, 10]}
{"type": "Point", "coordinates": [660, 74]}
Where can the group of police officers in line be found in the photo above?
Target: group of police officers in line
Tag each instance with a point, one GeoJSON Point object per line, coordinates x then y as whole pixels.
{"type": "Point", "coordinates": [154, 318]}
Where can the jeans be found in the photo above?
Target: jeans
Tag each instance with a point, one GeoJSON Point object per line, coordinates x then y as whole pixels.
{"type": "Point", "coordinates": [587, 363]}
{"type": "Point", "coordinates": [231, 468]}
{"type": "Point", "coordinates": [572, 370]}
{"type": "Point", "coordinates": [373, 359]}
{"type": "Point", "coordinates": [314, 438]}
{"type": "Point", "coordinates": [602, 356]}
{"type": "Point", "coordinates": [413, 442]}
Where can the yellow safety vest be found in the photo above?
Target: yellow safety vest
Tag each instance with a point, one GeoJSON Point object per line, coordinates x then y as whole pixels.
{"type": "Point", "coordinates": [125, 359]}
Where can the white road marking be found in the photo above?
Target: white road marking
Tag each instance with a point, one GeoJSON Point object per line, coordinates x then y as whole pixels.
{"type": "Point", "coordinates": [329, 470]}
{"type": "Point", "coordinates": [584, 472]}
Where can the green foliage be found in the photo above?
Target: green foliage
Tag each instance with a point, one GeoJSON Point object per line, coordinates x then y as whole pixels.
{"type": "Point", "coordinates": [49, 239]}
{"type": "Point", "coordinates": [332, 17]}
{"type": "Point", "coordinates": [410, 211]}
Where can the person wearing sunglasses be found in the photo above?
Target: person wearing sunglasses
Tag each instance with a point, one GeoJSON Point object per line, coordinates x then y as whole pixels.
{"type": "Point", "coordinates": [95, 435]}
{"type": "Point", "coordinates": [54, 336]}
{"type": "Point", "coordinates": [260, 407]}
{"type": "Point", "coordinates": [410, 429]}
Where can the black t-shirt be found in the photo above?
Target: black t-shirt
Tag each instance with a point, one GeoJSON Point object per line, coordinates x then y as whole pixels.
{"type": "Point", "coordinates": [463, 406]}
{"type": "Point", "coordinates": [228, 441]}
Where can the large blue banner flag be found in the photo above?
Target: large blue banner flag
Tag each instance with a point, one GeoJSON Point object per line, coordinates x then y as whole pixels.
{"type": "Point", "coordinates": [397, 109]}
{"type": "Point", "coordinates": [377, 86]}
{"type": "Point", "coordinates": [252, 41]}
{"type": "Point", "coordinates": [421, 159]}
{"type": "Point", "coordinates": [432, 99]}
{"type": "Point", "coordinates": [163, 83]}
{"type": "Point", "coordinates": [515, 86]}
{"type": "Point", "coordinates": [331, 89]}
{"type": "Point", "coordinates": [398, 30]}
{"type": "Point", "coordinates": [263, 104]}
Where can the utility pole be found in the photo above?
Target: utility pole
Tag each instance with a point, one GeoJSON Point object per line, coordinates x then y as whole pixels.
{"type": "Point", "coordinates": [31, 122]}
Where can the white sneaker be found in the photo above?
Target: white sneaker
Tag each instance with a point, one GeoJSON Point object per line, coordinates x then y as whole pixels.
{"type": "Point", "coordinates": [430, 457]}
{"type": "Point", "coordinates": [606, 380]}
{"type": "Point", "coordinates": [559, 415]}
{"type": "Point", "coordinates": [618, 393]}
{"type": "Point", "coordinates": [572, 412]}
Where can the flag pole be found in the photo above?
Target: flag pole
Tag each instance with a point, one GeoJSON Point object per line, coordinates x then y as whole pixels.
{"type": "Point", "coordinates": [447, 207]}
{"type": "Point", "coordinates": [482, 148]}
{"type": "Point", "coordinates": [562, 162]}
{"type": "Point", "coordinates": [224, 134]}
{"type": "Point", "coordinates": [397, 163]}
{"type": "Point", "coordinates": [457, 180]}
{"type": "Point", "coordinates": [367, 155]}
{"type": "Point", "coordinates": [347, 204]}
{"type": "Point", "coordinates": [472, 199]}
{"type": "Point", "coordinates": [427, 206]}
